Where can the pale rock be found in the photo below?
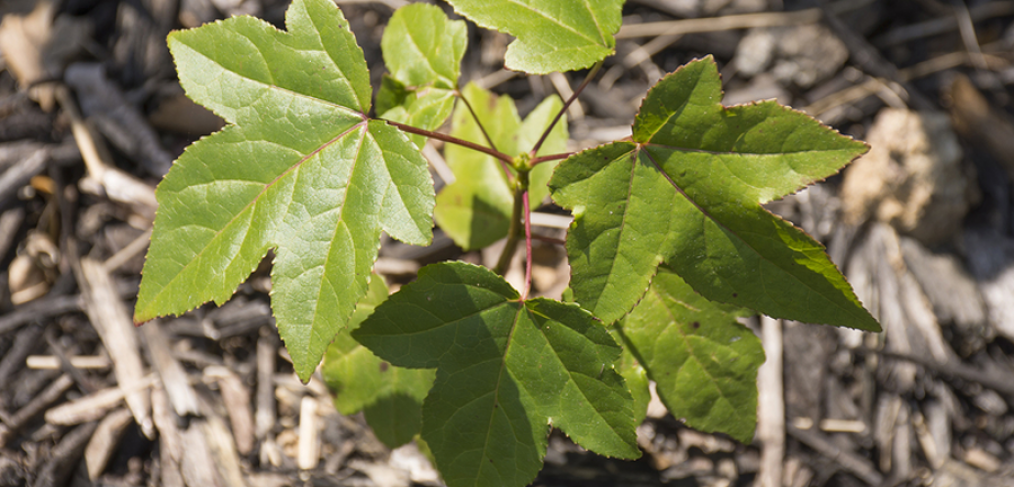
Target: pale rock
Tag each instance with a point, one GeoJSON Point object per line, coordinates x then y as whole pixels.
{"type": "Point", "coordinates": [912, 178]}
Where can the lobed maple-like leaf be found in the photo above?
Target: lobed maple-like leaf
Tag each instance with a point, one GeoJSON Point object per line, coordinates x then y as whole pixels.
{"type": "Point", "coordinates": [552, 35]}
{"type": "Point", "coordinates": [704, 363]}
{"type": "Point", "coordinates": [475, 210]}
{"type": "Point", "coordinates": [687, 190]}
{"type": "Point", "coordinates": [391, 397]}
{"type": "Point", "coordinates": [299, 169]}
{"type": "Point", "coordinates": [507, 369]}
{"type": "Point", "coordinates": [422, 50]}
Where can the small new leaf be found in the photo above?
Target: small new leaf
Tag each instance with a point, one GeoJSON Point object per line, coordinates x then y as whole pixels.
{"type": "Point", "coordinates": [702, 360]}
{"type": "Point", "coordinates": [551, 35]}
{"type": "Point", "coordinates": [298, 169]}
{"type": "Point", "coordinates": [475, 210]}
{"type": "Point", "coordinates": [688, 190]}
{"type": "Point", "coordinates": [422, 50]}
{"type": "Point", "coordinates": [506, 370]}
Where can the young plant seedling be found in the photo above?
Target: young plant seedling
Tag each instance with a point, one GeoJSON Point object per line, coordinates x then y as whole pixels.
{"type": "Point", "coordinates": [669, 244]}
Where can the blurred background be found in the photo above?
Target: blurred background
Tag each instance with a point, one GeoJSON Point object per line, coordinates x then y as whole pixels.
{"type": "Point", "coordinates": [92, 116]}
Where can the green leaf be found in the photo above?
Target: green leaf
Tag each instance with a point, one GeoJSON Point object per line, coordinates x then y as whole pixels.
{"type": "Point", "coordinates": [551, 35]}
{"type": "Point", "coordinates": [391, 396]}
{"type": "Point", "coordinates": [506, 370]}
{"type": "Point", "coordinates": [687, 190]}
{"type": "Point", "coordinates": [298, 169]}
{"type": "Point", "coordinates": [704, 363]}
{"type": "Point", "coordinates": [636, 377]}
{"type": "Point", "coordinates": [475, 210]}
{"type": "Point", "coordinates": [422, 50]}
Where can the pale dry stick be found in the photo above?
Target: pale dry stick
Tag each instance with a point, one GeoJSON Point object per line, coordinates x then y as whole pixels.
{"type": "Point", "coordinates": [169, 439]}
{"type": "Point", "coordinates": [496, 78]}
{"type": "Point", "coordinates": [53, 392]}
{"type": "Point", "coordinates": [93, 406]}
{"type": "Point", "coordinates": [173, 376]}
{"type": "Point", "coordinates": [968, 37]}
{"type": "Point", "coordinates": [309, 441]}
{"type": "Point", "coordinates": [842, 426]}
{"type": "Point", "coordinates": [562, 85]}
{"type": "Point", "coordinates": [857, 465]}
{"type": "Point", "coordinates": [438, 163]}
{"type": "Point", "coordinates": [236, 398]}
{"type": "Point", "coordinates": [50, 362]}
{"type": "Point", "coordinates": [871, 85]}
{"type": "Point", "coordinates": [111, 319]}
{"type": "Point", "coordinates": [639, 55]}
{"type": "Point", "coordinates": [712, 24]}
{"type": "Point", "coordinates": [551, 220]}
{"type": "Point", "coordinates": [104, 441]}
{"type": "Point", "coordinates": [223, 448]}
{"type": "Point", "coordinates": [941, 25]}
{"type": "Point", "coordinates": [117, 185]}
{"type": "Point", "coordinates": [264, 418]}
{"type": "Point", "coordinates": [135, 247]}
{"type": "Point", "coordinates": [771, 406]}
{"type": "Point", "coordinates": [64, 457]}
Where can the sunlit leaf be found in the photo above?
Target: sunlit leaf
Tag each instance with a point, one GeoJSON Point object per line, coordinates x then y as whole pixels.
{"type": "Point", "coordinates": [687, 190]}
{"type": "Point", "coordinates": [298, 169]}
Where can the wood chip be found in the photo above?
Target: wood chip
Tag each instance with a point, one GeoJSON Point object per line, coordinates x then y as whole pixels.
{"type": "Point", "coordinates": [105, 440]}
{"type": "Point", "coordinates": [111, 319]}
{"type": "Point", "coordinates": [309, 434]}
{"type": "Point", "coordinates": [51, 362]}
{"type": "Point", "coordinates": [236, 398]}
{"type": "Point", "coordinates": [94, 406]}
{"type": "Point", "coordinates": [174, 378]}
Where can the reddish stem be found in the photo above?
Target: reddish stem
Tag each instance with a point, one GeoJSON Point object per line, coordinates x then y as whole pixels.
{"type": "Point", "coordinates": [452, 140]}
{"type": "Point", "coordinates": [587, 79]}
{"type": "Point", "coordinates": [551, 157]}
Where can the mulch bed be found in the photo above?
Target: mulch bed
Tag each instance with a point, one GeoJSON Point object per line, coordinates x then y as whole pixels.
{"type": "Point", "coordinates": [91, 117]}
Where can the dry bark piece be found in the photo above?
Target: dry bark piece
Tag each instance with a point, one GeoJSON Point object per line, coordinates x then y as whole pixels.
{"type": "Point", "coordinates": [975, 119]}
{"type": "Point", "coordinates": [35, 407]}
{"type": "Point", "coordinates": [112, 321]}
{"type": "Point", "coordinates": [912, 178]}
{"type": "Point", "coordinates": [94, 406]}
{"type": "Point", "coordinates": [267, 345]}
{"type": "Point", "coordinates": [955, 296]}
{"type": "Point", "coordinates": [33, 271]}
{"type": "Point", "coordinates": [65, 457]}
{"type": "Point", "coordinates": [124, 126]}
{"type": "Point", "coordinates": [771, 405]}
{"type": "Point", "coordinates": [236, 398]}
{"type": "Point", "coordinates": [174, 378]}
{"type": "Point", "coordinates": [24, 343]}
{"type": "Point", "coordinates": [103, 443]}
{"type": "Point", "coordinates": [309, 430]}
{"type": "Point", "coordinates": [36, 46]}
{"type": "Point", "coordinates": [21, 171]}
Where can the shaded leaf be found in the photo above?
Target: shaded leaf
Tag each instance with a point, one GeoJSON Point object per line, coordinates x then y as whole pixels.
{"type": "Point", "coordinates": [391, 396]}
{"type": "Point", "coordinates": [475, 210]}
{"type": "Point", "coordinates": [702, 360]}
{"type": "Point", "coordinates": [506, 370]}
{"type": "Point", "coordinates": [551, 35]}
{"type": "Point", "coordinates": [298, 169]}
{"type": "Point", "coordinates": [687, 190]}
